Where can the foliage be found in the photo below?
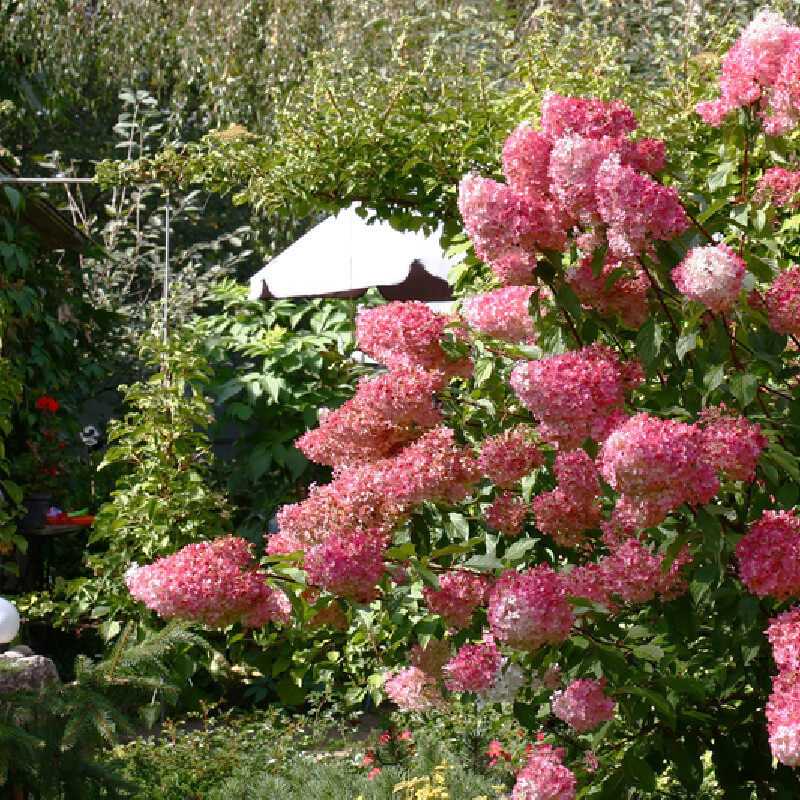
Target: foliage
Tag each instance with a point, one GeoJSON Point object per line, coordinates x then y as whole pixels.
{"type": "Point", "coordinates": [208, 64]}
{"type": "Point", "coordinates": [127, 274]}
{"type": "Point", "coordinates": [275, 365]}
{"type": "Point", "coordinates": [265, 755]}
{"type": "Point", "coordinates": [51, 341]}
{"type": "Point", "coordinates": [162, 499]}
{"type": "Point", "coordinates": [10, 492]}
{"type": "Point", "coordinates": [399, 139]}
{"type": "Point", "coordinates": [53, 738]}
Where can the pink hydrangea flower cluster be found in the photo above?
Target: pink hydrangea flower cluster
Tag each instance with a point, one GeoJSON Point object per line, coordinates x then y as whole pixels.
{"type": "Point", "coordinates": [406, 334]}
{"type": "Point", "coordinates": [620, 289]}
{"type": "Point", "coordinates": [783, 707]}
{"type": "Point", "coordinates": [503, 222]}
{"type": "Point", "coordinates": [432, 468]}
{"type": "Point", "coordinates": [507, 513]}
{"type": "Point", "coordinates": [526, 156]}
{"type": "Point", "coordinates": [783, 302]}
{"type": "Point", "coordinates": [502, 314]}
{"type": "Point", "coordinates": [780, 186]}
{"type": "Point", "coordinates": [635, 208]}
{"type": "Point", "coordinates": [784, 102]}
{"type": "Point", "coordinates": [216, 583]}
{"type": "Point", "coordinates": [348, 564]}
{"type": "Point", "coordinates": [576, 395]}
{"type": "Point", "coordinates": [712, 275]}
{"type": "Point", "coordinates": [474, 668]}
{"type": "Point", "coordinates": [769, 555]}
{"type": "Point", "coordinates": [574, 164]}
{"type": "Point", "coordinates": [375, 496]}
{"type": "Point", "coordinates": [656, 465]}
{"type": "Point", "coordinates": [528, 610]}
{"type": "Point", "coordinates": [783, 718]}
{"type": "Point", "coordinates": [761, 68]}
{"type": "Point", "coordinates": [545, 777]}
{"type": "Point", "coordinates": [731, 443]}
{"type": "Point", "coordinates": [630, 574]}
{"type": "Point", "coordinates": [585, 116]}
{"type": "Point", "coordinates": [411, 689]}
{"type": "Point", "coordinates": [460, 592]}
{"type": "Point", "coordinates": [580, 169]}
{"type": "Point", "coordinates": [354, 500]}
{"type": "Point", "coordinates": [510, 455]}
{"type": "Point", "coordinates": [784, 636]}
{"type": "Point", "coordinates": [584, 705]}
{"type": "Point", "coordinates": [573, 507]}
{"type": "Point", "coordinates": [514, 268]}
{"type": "Point", "coordinates": [385, 413]}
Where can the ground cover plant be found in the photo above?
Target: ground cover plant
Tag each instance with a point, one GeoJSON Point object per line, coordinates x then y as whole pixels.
{"type": "Point", "coordinates": [577, 493]}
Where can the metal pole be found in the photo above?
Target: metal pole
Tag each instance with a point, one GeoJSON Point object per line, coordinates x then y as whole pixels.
{"type": "Point", "coordinates": [165, 296]}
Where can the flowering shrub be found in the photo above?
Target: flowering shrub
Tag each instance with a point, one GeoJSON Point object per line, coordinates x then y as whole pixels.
{"type": "Point", "coordinates": [583, 705]}
{"type": "Point", "coordinates": [213, 582]}
{"type": "Point", "coordinates": [651, 430]}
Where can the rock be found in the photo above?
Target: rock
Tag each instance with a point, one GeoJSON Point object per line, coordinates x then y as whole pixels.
{"type": "Point", "coordinates": [21, 649]}
{"type": "Point", "coordinates": [19, 671]}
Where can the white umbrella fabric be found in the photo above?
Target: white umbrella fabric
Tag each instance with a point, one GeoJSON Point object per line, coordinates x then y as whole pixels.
{"type": "Point", "coordinates": [344, 254]}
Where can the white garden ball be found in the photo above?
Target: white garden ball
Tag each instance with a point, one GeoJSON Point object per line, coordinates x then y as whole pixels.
{"type": "Point", "coordinates": [9, 621]}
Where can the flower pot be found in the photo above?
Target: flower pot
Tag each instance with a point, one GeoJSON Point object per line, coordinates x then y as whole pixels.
{"type": "Point", "coordinates": [36, 505]}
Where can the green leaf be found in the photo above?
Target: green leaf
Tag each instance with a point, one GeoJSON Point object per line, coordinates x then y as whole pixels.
{"type": "Point", "coordinates": [484, 368]}
{"type": "Point", "coordinates": [458, 524]}
{"type": "Point", "coordinates": [14, 198]}
{"type": "Point", "coordinates": [685, 344]}
{"type": "Point", "coordinates": [484, 563]}
{"type": "Point", "coordinates": [401, 551]}
{"type": "Point", "coordinates": [649, 341]}
{"type": "Point", "coordinates": [714, 377]}
{"type": "Point", "coordinates": [568, 300]}
{"type": "Point", "coordinates": [661, 704]}
{"type": "Point", "coordinates": [289, 692]}
{"type": "Point", "coordinates": [744, 387]}
{"type": "Point", "coordinates": [518, 550]}
{"type": "Point", "coordinates": [427, 576]}
{"type": "Point", "coordinates": [648, 652]}
{"type": "Point", "coordinates": [639, 772]}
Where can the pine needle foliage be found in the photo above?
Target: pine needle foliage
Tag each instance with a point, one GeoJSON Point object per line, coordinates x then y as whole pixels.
{"type": "Point", "coordinates": [52, 740]}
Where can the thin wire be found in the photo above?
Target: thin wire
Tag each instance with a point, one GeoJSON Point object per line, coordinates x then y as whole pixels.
{"type": "Point", "coordinates": [9, 179]}
{"type": "Point", "coordinates": [165, 297]}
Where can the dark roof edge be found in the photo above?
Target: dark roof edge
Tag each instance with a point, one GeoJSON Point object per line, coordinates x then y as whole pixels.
{"type": "Point", "coordinates": [55, 230]}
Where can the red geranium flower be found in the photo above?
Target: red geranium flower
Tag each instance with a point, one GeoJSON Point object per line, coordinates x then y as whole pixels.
{"type": "Point", "coordinates": [47, 403]}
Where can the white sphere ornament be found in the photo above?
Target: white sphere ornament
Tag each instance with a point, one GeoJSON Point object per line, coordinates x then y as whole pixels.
{"type": "Point", "coordinates": [9, 621]}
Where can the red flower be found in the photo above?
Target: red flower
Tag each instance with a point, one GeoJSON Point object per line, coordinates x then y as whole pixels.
{"type": "Point", "coordinates": [495, 751]}
{"type": "Point", "coordinates": [373, 773]}
{"type": "Point", "coordinates": [404, 736]}
{"type": "Point", "coordinates": [385, 738]}
{"type": "Point", "coordinates": [369, 759]}
{"type": "Point", "coordinates": [47, 403]}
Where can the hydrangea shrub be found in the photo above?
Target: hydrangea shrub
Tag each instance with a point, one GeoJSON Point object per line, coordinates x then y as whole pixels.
{"type": "Point", "coordinates": [587, 475]}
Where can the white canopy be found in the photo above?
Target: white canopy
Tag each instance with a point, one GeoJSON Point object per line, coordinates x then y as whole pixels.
{"type": "Point", "coordinates": [344, 253]}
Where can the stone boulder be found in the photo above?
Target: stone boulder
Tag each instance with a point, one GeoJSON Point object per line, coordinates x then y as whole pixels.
{"type": "Point", "coordinates": [21, 670]}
